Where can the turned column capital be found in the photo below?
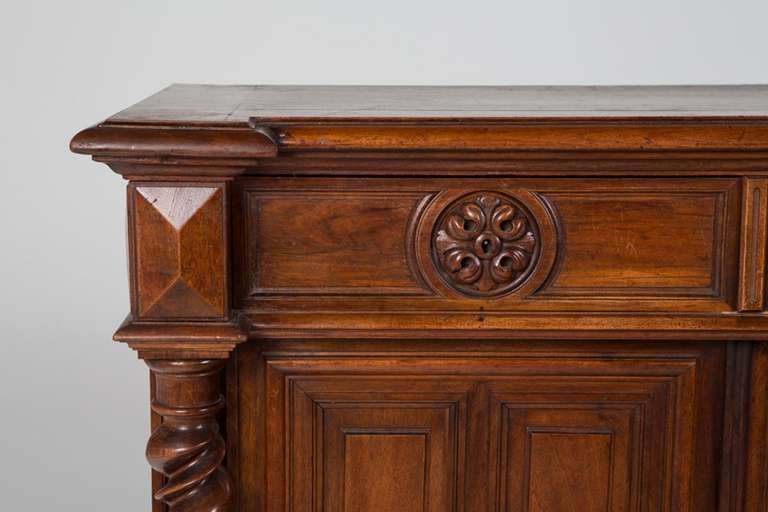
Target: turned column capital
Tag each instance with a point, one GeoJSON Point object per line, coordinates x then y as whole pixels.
{"type": "Point", "coordinates": [187, 389]}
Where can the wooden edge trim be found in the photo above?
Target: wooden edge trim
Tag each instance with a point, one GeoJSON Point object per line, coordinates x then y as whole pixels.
{"type": "Point", "coordinates": [166, 340]}
{"type": "Point", "coordinates": [107, 140]}
{"type": "Point", "coordinates": [753, 244]}
{"type": "Point", "coordinates": [735, 414]}
{"type": "Point", "coordinates": [661, 336]}
{"type": "Point", "coordinates": [263, 141]}
{"type": "Point", "coordinates": [560, 326]}
{"type": "Point", "coordinates": [756, 481]}
{"type": "Point", "coordinates": [540, 136]}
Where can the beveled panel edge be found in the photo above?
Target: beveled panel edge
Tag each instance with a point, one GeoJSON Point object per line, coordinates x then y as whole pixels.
{"type": "Point", "coordinates": [220, 309]}
{"type": "Point", "coordinates": [752, 261]}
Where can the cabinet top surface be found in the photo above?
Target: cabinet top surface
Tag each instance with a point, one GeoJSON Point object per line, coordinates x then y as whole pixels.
{"type": "Point", "coordinates": [235, 105]}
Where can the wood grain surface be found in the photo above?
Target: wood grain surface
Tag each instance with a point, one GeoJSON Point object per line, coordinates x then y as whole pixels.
{"type": "Point", "coordinates": [449, 299]}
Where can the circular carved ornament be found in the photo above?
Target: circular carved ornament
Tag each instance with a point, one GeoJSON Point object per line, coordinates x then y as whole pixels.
{"type": "Point", "coordinates": [485, 244]}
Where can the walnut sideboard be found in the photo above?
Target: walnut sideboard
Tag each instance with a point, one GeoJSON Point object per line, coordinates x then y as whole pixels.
{"type": "Point", "coordinates": [449, 299]}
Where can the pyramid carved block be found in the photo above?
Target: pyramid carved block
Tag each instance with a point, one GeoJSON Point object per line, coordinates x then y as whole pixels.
{"type": "Point", "coordinates": [179, 245]}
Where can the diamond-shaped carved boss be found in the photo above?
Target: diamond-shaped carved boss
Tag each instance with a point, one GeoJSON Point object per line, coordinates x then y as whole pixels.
{"type": "Point", "coordinates": [179, 245]}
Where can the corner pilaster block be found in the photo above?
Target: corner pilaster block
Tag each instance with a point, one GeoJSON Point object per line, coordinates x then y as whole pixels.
{"type": "Point", "coordinates": [178, 240]}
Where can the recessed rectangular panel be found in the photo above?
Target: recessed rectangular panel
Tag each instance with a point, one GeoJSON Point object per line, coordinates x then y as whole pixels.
{"type": "Point", "coordinates": [572, 453]}
{"type": "Point", "coordinates": [662, 243]}
{"type": "Point", "coordinates": [569, 471]}
{"type": "Point", "coordinates": [335, 246]}
{"type": "Point", "coordinates": [385, 472]}
{"type": "Point", "coordinates": [510, 427]}
{"type": "Point", "coordinates": [330, 243]}
{"type": "Point", "coordinates": [412, 444]}
{"type": "Point", "coordinates": [367, 443]}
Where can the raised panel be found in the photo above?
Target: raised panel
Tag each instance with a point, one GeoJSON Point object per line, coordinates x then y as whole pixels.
{"type": "Point", "coordinates": [570, 471]}
{"type": "Point", "coordinates": [406, 246]}
{"type": "Point", "coordinates": [335, 425]}
{"type": "Point", "coordinates": [330, 243]}
{"type": "Point", "coordinates": [179, 246]}
{"type": "Point", "coordinates": [657, 243]}
{"type": "Point", "coordinates": [454, 427]}
{"type": "Point", "coordinates": [635, 406]}
{"type": "Point", "coordinates": [575, 457]}
{"type": "Point", "coordinates": [384, 471]}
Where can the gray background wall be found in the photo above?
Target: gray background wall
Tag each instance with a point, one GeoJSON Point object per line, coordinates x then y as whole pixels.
{"type": "Point", "coordinates": [73, 405]}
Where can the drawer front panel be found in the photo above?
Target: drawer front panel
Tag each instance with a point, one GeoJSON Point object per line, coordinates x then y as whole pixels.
{"type": "Point", "coordinates": [497, 245]}
{"type": "Point", "coordinates": [623, 243]}
{"type": "Point", "coordinates": [321, 243]}
{"type": "Point", "coordinates": [537, 426]}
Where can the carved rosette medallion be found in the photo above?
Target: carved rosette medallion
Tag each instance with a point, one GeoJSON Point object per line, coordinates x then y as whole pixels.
{"type": "Point", "coordinates": [485, 244]}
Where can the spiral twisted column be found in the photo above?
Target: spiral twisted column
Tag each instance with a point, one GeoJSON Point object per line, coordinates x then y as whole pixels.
{"type": "Point", "coordinates": [187, 447]}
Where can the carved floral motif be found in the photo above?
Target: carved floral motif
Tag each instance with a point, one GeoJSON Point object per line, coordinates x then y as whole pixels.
{"type": "Point", "coordinates": [485, 244]}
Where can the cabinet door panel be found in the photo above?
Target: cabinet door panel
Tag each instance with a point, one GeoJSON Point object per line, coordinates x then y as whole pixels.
{"type": "Point", "coordinates": [525, 427]}
{"type": "Point", "coordinates": [591, 442]}
{"type": "Point", "coordinates": [569, 459]}
{"type": "Point", "coordinates": [362, 444]}
{"type": "Point", "coordinates": [386, 459]}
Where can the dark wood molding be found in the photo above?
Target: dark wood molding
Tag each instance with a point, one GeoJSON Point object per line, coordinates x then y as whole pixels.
{"type": "Point", "coordinates": [141, 151]}
{"type": "Point", "coordinates": [449, 299]}
{"type": "Point", "coordinates": [520, 325]}
{"type": "Point", "coordinates": [115, 141]}
{"type": "Point", "coordinates": [188, 340]}
{"type": "Point", "coordinates": [187, 447]}
{"type": "Point", "coordinates": [539, 136]}
{"type": "Point", "coordinates": [753, 244]}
